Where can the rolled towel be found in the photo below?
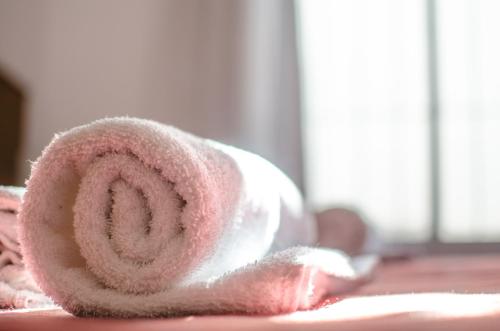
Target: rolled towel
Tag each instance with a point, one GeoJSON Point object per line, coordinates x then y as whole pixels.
{"type": "Point", "coordinates": [10, 199]}
{"type": "Point", "coordinates": [17, 287]}
{"type": "Point", "coordinates": [128, 217]}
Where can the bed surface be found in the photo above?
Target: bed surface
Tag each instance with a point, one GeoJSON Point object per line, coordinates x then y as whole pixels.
{"type": "Point", "coordinates": [425, 293]}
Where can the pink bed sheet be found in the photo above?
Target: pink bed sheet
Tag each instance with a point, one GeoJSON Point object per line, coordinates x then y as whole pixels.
{"type": "Point", "coordinates": [431, 293]}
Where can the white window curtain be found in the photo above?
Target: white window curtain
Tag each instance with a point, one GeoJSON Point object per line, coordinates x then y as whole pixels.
{"type": "Point", "coordinates": [366, 100]}
{"type": "Point", "coordinates": [469, 62]}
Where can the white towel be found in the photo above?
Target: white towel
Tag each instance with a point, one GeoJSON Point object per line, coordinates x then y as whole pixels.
{"type": "Point", "coordinates": [129, 217]}
{"type": "Point", "coordinates": [17, 288]}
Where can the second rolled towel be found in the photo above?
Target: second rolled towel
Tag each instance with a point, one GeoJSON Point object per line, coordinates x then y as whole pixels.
{"type": "Point", "coordinates": [129, 217]}
{"type": "Point", "coordinates": [17, 288]}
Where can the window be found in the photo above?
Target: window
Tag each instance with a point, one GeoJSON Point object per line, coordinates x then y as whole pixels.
{"type": "Point", "coordinates": [402, 114]}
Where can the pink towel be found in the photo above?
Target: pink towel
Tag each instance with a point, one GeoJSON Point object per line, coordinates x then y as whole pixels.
{"type": "Point", "coordinates": [17, 288]}
{"type": "Point", "coordinates": [129, 217]}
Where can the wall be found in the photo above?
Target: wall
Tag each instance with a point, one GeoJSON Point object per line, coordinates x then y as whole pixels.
{"type": "Point", "coordinates": [214, 68]}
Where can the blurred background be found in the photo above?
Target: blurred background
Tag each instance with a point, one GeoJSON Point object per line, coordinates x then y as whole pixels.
{"type": "Point", "coordinates": [390, 107]}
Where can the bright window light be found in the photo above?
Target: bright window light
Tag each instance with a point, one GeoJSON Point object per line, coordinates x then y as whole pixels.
{"type": "Point", "coordinates": [367, 80]}
{"type": "Point", "coordinates": [469, 71]}
{"type": "Point", "coordinates": [364, 72]}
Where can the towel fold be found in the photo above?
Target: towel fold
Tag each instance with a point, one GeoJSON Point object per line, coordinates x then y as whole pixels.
{"type": "Point", "coordinates": [129, 217]}
{"type": "Point", "coordinates": [10, 199]}
{"type": "Point", "coordinates": [17, 288]}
